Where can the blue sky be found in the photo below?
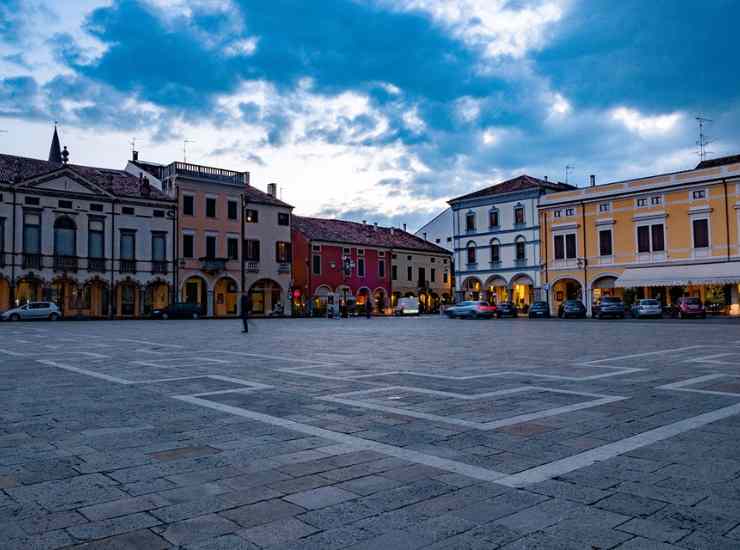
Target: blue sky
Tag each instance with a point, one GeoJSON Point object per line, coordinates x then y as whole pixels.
{"type": "Point", "coordinates": [374, 109]}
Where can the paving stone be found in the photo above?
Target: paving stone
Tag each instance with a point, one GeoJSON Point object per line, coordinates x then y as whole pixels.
{"type": "Point", "coordinates": [68, 494]}
{"type": "Point", "coordinates": [136, 540]}
{"type": "Point", "coordinates": [276, 532]}
{"type": "Point", "coordinates": [196, 530]}
{"type": "Point", "coordinates": [569, 491]}
{"type": "Point", "coordinates": [500, 506]}
{"type": "Point", "coordinates": [369, 484]}
{"type": "Point", "coordinates": [540, 516]}
{"type": "Point", "coordinates": [263, 512]}
{"type": "Point", "coordinates": [631, 505]}
{"type": "Point", "coordinates": [110, 527]}
{"type": "Point", "coordinates": [320, 498]}
{"type": "Point", "coordinates": [646, 544]}
{"type": "Point", "coordinates": [123, 507]}
{"type": "Point", "coordinates": [224, 542]}
{"type": "Point", "coordinates": [49, 540]}
{"type": "Point", "coordinates": [699, 540]}
{"type": "Point", "coordinates": [654, 530]}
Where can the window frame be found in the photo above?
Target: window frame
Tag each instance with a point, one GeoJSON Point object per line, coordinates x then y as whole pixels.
{"type": "Point", "coordinates": [211, 239]}
{"type": "Point", "coordinates": [97, 233]}
{"type": "Point", "coordinates": [185, 197]}
{"type": "Point", "coordinates": [185, 238]}
{"type": "Point", "coordinates": [231, 203]}
{"type": "Point", "coordinates": [520, 245]}
{"type": "Point", "coordinates": [471, 252]}
{"type": "Point", "coordinates": [601, 231]}
{"type": "Point", "coordinates": [156, 235]}
{"type": "Point", "coordinates": [251, 215]}
{"type": "Point", "coordinates": [493, 215]}
{"type": "Point", "coordinates": [470, 227]}
{"type": "Point", "coordinates": [127, 233]}
{"type": "Point", "coordinates": [520, 208]}
{"type": "Point", "coordinates": [211, 202]}
{"type": "Point", "coordinates": [704, 219]}
{"type": "Point", "coordinates": [283, 216]}
{"type": "Point", "coordinates": [495, 251]}
{"type": "Point", "coordinates": [232, 248]}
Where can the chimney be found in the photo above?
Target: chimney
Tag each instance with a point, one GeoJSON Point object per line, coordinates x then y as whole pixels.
{"type": "Point", "coordinates": [404, 227]}
{"type": "Point", "coordinates": [272, 189]}
{"type": "Point", "coordinates": [393, 230]}
{"type": "Point", "coordinates": [134, 155]}
{"type": "Point", "coordinates": [425, 235]}
{"type": "Point", "coordinates": [364, 222]}
{"type": "Point", "coordinates": [375, 226]}
{"type": "Point", "coordinates": [592, 180]}
{"type": "Point", "coordinates": [546, 179]}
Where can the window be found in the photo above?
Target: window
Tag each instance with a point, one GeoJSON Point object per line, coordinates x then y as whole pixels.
{"type": "Point", "coordinates": [96, 239]}
{"type": "Point", "coordinates": [159, 246]}
{"type": "Point", "coordinates": [495, 251]}
{"type": "Point", "coordinates": [65, 204]}
{"type": "Point", "coordinates": [316, 248]}
{"type": "Point", "coordinates": [232, 209]}
{"type": "Point", "coordinates": [32, 201]}
{"type": "Point", "coordinates": [381, 269]}
{"type": "Point", "coordinates": [470, 221]}
{"type": "Point", "coordinates": [409, 273]}
{"type": "Point", "coordinates": [699, 194]}
{"type": "Point", "coordinates": [658, 237]}
{"type": "Point", "coordinates": [360, 251]}
{"type": "Point", "coordinates": [158, 213]}
{"type": "Point", "coordinates": [232, 248]}
{"type": "Point", "coordinates": [65, 237]}
{"type": "Point", "coordinates": [570, 211]}
{"type": "Point", "coordinates": [604, 207]}
{"type": "Point", "coordinates": [187, 246]}
{"type": "Point", "coordinates": [188, 205]}
{"type": "Point", "coordinates": [251, 251]}
{"type": "Point", "coordinates": [422, 277]}
{"type": "Point", "coordinates": [251, 216]}
{"type": "Point", "coordinates": [282, 252]}
{"type": "Point", "coordinates": [2, 241]}
{"type": "Point", "coordinates": [519, 215]}
{"type": "Point", "coordinates": [381, 254]}
{"type": "Point", "coordinates": [360, 267]}
{"type": "Point", "coordinates": [394, 272]}
{"type": "Point", "coordinates": [345, 251]}
{"type": "Point", "coordinates": [650, 238]}
{"type": "Point", "coordinates": [521, 250]}
{"type": "Point", "coordinates": [557, 213]}
{"type": "Point", "coordinates": [432, 275]}
{"type": "Point", "coordinates": [449, 239]}
{"type": "Point", "coordinates": [210, 246]}
{"type": "Point", "coordinates": [316, 264]}
{"type": "Point", "coordinates": [437, 241]}
{"type": "Point", "coordinates": [656, 200]}
{"type": "Point", "coordinates": [493, 218]}
{"type": "Point", "coordinates": [641, 203]}
{"type": "Point", "coordinates": [471, 253]}
{"type": "Point", "coordinates": [210, 207]}
{"type": "Point", "coordinates": [128, 245]}
{"type": "Point", "coordinates": [96, 207]}
{"type": "Point", "coordinates": [605, 242]}
{"type": "Point", "coordinates": [565, 246]}
{"type": "Point", "coordinates": [432, 260]}
{"type": "Point", "coordinates": [128, 211]}
{"type": "Point", "coordinates": [283, 218]}
{"type": "Point", "coordinates": [701, 233]}
{"type": "Point", "coordinates": [444, 277]}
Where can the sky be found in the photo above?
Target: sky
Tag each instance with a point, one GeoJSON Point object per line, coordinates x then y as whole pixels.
{"type": "Point", "coordinates": [377, 110]}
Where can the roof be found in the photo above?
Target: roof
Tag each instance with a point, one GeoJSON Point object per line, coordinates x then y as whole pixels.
{"type": "Point", "coordinates": [345, 232]}
{"type": "Point", "coordinates": [711, 163]}
{"type": "Point", "coordinates": [255, 195]}
{"type": "Point", "coordinates": [519, 183]}
{"type": "Point", "coordinates": [15, 170]}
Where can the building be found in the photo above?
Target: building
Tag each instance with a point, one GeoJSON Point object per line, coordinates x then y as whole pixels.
{"type": "Point", "coordinates": [663, 237]}
{"type": "Point", "coordinates": [496, 236]}
{"type": "Point", "coordinates": [385, 263]}
{"type": "Point", "coordinates": [232, 238]}
{"type": "Point", "coordinates": [96, 241]}
{"type": "Point", "coordinates": [438, 230]}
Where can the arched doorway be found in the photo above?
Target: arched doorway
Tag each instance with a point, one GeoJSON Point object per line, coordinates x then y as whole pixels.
{"type": "Point", "coordinates": [321, 299]}
{"type": "Point", "coordinates": [97, 297]}
{"type": "Point", "coordinates": [424, 302]}
{"type": "Point", "coordinates": [379, 301]}
{"type": "Point", "coordinates": [265, 297]}
{"type": "Point", "coordinates": [4, 294]}
{"type": "Point", "coordinates": [395, 296]}
{"type": "Point", "coordinates": [522, 291]}
{"type": "Point", "coordinates": [195, 291]}
{"type": "Point", "coordinates": [362, 299]}
{"type": "Point", "coordinates": [604, 286]}
{"type": "Point", "coordinates": [565, 289]}
{"type": "Point", "coordinates": [497, 290]}
{"type": "Point", "coordinates": [127, 299]}
{"type": "Point", "coordinates": [29, 289]}
{"type": "Point", "coordinates": [471, 288]}
{"type": "Point", "coordinates": [226, 293]}
{"type": "Point", "coordinates": [69, 297]}
{"type": "Point", "coordinates": [434, 302]}
{"type": "Point", "coordinates": [157, 296]}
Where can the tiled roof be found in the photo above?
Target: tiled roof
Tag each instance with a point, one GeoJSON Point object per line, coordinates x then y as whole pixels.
{"type": "Point", "coordinates": [255, 195]}
{"type": "Point", "coordinates": [711, 163]}
{"type": "Point", "coordinates": [520, 183]}
{"type": "Point", "coordinates": [340, 231]}
{"type": "Point", "coordinates": [15, 170]}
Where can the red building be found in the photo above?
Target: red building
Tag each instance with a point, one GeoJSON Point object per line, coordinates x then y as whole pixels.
{"type": "Point", "coordinates": [322, 248]}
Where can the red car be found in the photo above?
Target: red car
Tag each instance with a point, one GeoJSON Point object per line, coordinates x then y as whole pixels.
{"type": "Point", "coordinates": [689, 307]}
{"type": "Point", "coordinates": [471, 310]}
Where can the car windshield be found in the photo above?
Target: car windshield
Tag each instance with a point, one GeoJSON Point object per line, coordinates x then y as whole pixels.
{"type": "Point", "coordinates": [572, 303]}
{"type": "Point", "coordinates": [648, 302]}
{"type": "Point", "coordinates": [610, 300]}
{"type": "Point", "coordinates": [693, 301]}
{"type": "Point", "coordinates": [539, 304]}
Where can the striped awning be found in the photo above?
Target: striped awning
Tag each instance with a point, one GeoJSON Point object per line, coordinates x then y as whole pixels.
{"type": "Point", "coordinates": [681, 275]}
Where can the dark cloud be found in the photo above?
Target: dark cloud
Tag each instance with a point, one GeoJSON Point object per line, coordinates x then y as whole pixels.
{"type": "Point", "coordinates": [413, 218]}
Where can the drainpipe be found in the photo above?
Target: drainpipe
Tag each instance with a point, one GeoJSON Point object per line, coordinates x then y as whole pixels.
{"type": "Point", "coordinates": [112, 292]}
{"type": "Point", "coordinates": [15, 255]}
{"type": "Point", "coordinates": [543, 223]}
{"type": "Point", "coordinates": [585, 255]}
{"type": "Point", "coordinates": [175, 249]}
{"type": "Point", "coordinates": [727, 218]}
{"type": "Point", "coordinates": [242, 270]}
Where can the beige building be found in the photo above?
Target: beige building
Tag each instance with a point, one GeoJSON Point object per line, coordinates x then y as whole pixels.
{"type": "Point", "coordinates": [422, 272]}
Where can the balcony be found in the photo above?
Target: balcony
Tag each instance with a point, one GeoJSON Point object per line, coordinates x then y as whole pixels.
{"type": "Point", "coordinates": [253, 267]}
{"type": "Point", "coordinates": [212, 265]}
{"type": "Point", "coordinates": [127, 266]}
{"type": "Point", "coordinates": [205, 173]}
{"type": "Point", "coordinates": [31, 261]}
{"type": "Point", "coordinates": [96, 264]}
{"type": "Point", "coordinates": [520, 262]}
{"type": "Point", "coordinates": [65, 263]}
{"type": "Point", "coordinates": [159, 266]}
{"type": "Point", "coordinates": [284, 268]}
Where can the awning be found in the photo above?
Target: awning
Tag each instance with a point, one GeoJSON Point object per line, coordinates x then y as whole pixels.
{"type": "Point", "coordinates": [724, 273]}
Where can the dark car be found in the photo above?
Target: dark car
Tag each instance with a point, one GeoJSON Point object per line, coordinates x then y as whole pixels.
{"type": "Point", "coordinates": [180, 310]}
{"type": "Point", "coordinates": [609, 306]}
{"type": "Point", "coordinates": [506, 309]}
{"type": "Point", "coordinates": [689, 307]}
{"type": "Point", "coordinates": [539, 309]}
{"type": "Point", "coordinates": [572, 308]}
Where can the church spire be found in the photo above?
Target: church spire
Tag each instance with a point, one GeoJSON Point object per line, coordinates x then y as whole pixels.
{"type": "Point", "coordinates": [55, 152]}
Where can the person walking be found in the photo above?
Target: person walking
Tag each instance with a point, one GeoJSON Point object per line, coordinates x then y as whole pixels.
{"type": "Point", "coordinates": [244, 306]}
{"type": "Point", "coordinates": [368, 308]}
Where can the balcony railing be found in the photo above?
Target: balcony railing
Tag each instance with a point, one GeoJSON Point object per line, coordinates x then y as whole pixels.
{"type": "Point", "coordinates": [96, 264]}
{"type": "Point", "coordinates": [212, 265]}
{"type": "Point", "coordinates": [284, 268]}
{"type": "Point", "coordinates": [65, 263]}
{"type": "Point", "coordinates": [159, 266]}
{"type": "Point", "coordinates": [208, 173]}
{"type": "Point", "coordinates": [253, 267]}
{"type": "Point", "coordinates": [127, 266]}
{"type": "Point", "coordinates": [31, 261]}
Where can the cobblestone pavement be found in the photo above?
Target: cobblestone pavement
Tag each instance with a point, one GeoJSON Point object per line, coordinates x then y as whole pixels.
{"type": "Point", "coordinates": [382, 433]}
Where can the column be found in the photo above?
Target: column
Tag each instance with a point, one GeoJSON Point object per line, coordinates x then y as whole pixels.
{"type": "Point", "coordinates": [209, 310]}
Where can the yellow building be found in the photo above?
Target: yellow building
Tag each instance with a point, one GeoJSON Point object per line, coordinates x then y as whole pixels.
{"type": "Point", "coordinates": [663, 237]}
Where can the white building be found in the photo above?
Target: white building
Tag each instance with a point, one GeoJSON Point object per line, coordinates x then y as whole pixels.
{"type": "Point", "coordinates": [496, 241]}
{"type": "Point", "coordinates": [438, 230]}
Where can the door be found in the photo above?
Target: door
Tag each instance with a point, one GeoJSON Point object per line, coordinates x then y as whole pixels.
{"type": "Point", "coordinates": [191, 293]}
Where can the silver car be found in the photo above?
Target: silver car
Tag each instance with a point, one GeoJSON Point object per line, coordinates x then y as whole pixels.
{"type": "Point", "coordinates": [647, 308]}
{"type": "Point", "coordinates": [32, 311]}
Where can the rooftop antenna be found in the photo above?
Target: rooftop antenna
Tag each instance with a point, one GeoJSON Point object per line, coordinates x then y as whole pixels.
{"type": "Point", "coordinates": [133, 144]}
{"type": "Point", "coordinates": [185, 148]}
{"type": "Point", "coordinates": [568, 169]}
{"type": "Point", "coordinates": [703, 140]}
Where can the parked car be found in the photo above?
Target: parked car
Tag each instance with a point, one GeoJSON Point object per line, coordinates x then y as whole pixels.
{"type": "Point", "coordinates": [506, 309]}
{"type": "Point", "coordinates": [178, 310]}
{"type": "Point", "coordinates": [471, 310]}
{"type": "Point", "coordinates": [33, 311]}
{"type": "Point", "coordinates": [539, 309]}
{"type": "Point", "coordinates": [609, 306]}
{"type": "Point", "coordinates": [688, 307]}
{"type": "Point", "coordinates": [407, 306]}
{"type": "Point", "coordinates": [647, 308]}
{"type": "Point", "coordinates": [572, 308]}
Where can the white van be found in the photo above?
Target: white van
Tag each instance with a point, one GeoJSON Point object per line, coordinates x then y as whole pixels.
{"type": "Point", "coordinates": [407, 306]}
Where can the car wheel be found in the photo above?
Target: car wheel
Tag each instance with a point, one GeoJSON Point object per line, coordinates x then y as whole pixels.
{"type": "Point", "coordinates": [15, 317]}
{"type": "Point", "coordinates": [165, 316]}
{"type": "Point", "coordinates": [54, 317]}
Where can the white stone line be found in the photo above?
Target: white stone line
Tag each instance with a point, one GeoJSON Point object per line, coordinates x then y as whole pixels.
{"type": "Point", "coordinates": [145, 342]}
{"type": "Point", "coordinates": [605, 452]}
{"type": "Point", "coordinates": [453, 466]}
{"type": "Point", "coordinates": [14, 353]}
{"type": "Point", "coordinates": [707, 358]}
{"type": "Point", "coordinates": [276, 357]}
{"type": "Point", "coordinates": [636, 355]}
{"type": "Point", "coordinates": [255, 385]}
{"type": "Point", "coordinates": [618, 372]}
{"type": "Point", "coordinates": [467, 396]}
{"type": "Point", "coordinates": [84, 371]}
{"type": "Point", "coordinates": [684, 385]}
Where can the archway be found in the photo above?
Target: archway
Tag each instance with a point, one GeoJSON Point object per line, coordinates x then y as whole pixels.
{"type": "Point", "coordinates": [603, 285]}
{"type": "Point", "coordinates": [157, 296]}
{"type": "Point", "coordinates": [497, 290]}
{"type": "Point", "coordinates": [522, 291]}
{"type": "Point", "coordinates": [565, 289]}
{"type": "Point", "coordinates": [265, 297]}
{"type": "Point", "coordinates": [195, 291]}
{"type": "Point", "coordinates": [226, 293]}
{"type": "Point", "coordinates": [127, 299]}
{"type": "Point", "coordinates": [395, 296]}
{"type": "Point", "coordinates": [434, 302]}
{"type": "Point", "coordinates": [68, 296]}
{"type": "Point", "coordinates": [97, 297]}
{"type": "Point", "coordinates": [424, 302]}
{"type": "Point", "coordinates": [28, 289]}
{"type": "Point", "coordinates": [321, 299]}
{"type": "Point", "coordinates": [362, 299]}
{"type": "Point", "coordinates": [471, 288]}
{"type": "Point", "coordinates": [379, 300]}
{"type": "Point", "coordinates": [4, 294]}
